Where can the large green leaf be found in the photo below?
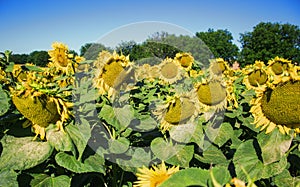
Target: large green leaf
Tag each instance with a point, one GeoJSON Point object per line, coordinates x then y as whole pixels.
{"type": "Point", "coordinates": [246, 158]}
{"type": "Point", "coordinates": [173, 154]}
{"type": "Point", "coordinates": [220, 135]}
{"type": "Point", "coordinates": [187, 133]}
{"type": "Point", "coordinates": [273, 145]}
{"type": "Point", "coordinates": [44, 180]}
{"type": "Point", "coordinates": [284, 179]}
{"type": "Point", "coordinates": [187, 177]}
{"type": "Point", "coordinates": [118, 146]}
{"type": "Point", "coordinates": [79, 135]}
{"type": "Point", "coordinates": [124, 115]}
{"type": "Point", "coordinates": [60, 140]}
{"type": "Point", "coordinates": [23, 153]}
{"type": "Point", "coordinates": [221, 175]}
{"type": "Point", "coordinates": [212, 156]}
{"type": "Point", "coordinates": [91, 164]}
{"type": "Point", "coordinates": [4, 102]}
{"type": "Point", "coordinates": [108, 114]}
{"type": "Point", "coordinates": [8, 178]}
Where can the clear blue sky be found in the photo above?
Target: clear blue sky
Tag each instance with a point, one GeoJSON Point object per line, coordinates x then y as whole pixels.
{"type": "Point", "coordinates": [29, 25]}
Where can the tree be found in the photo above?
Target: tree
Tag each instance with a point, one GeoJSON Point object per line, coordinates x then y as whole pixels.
{"type": "Point", "coordinates": [39, 58]}
{"type": "Point", "coordinates": [19, 58]}
{"type": "Point", "coordinates": [90, 51]}
{"type": "Point", "coordinates": [268, 40]}
{"type": "Point", "coordinates": [220, 43]}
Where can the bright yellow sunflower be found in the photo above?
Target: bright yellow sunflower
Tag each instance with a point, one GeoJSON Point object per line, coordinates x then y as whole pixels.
{"type": "Point", "coordinates": [170, 71]}
{"type": "Point", "coordinates": [186, 60]}
{"type": "Point", "coordinates": [111, 72]}
{"type": "Point", "coordinates": [178, 109]}
{"type": "Point", "coordinates": [277, 106]}
{"type": "Point", "coordinates": [154, 176]}
{"type": "Point", "coordinates": [256, 75]}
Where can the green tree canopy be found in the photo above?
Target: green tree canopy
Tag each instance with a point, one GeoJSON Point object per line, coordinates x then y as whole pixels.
{"type": "Point", "coordinates": [268, 40]}
{"type": "Point", "coordinates": [91, 50]}
{"type": "Point", "coordinates": [39, 58]}
{"type": "Point", "coordinates": [19, 58]}
{"type": "Point", "coordinates": [220, 43]}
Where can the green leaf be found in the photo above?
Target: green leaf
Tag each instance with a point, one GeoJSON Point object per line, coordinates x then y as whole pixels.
{"type": "Point", "coordinates": [60, 140]}
{"type": "Point", "coordinates": [187, 177]}
{"type": "Point", "coordinates": [23, 153]}
{"type": "Point", "coordinates": [212, 156]}
{"type": "Point", "coordinates": [8, 178]}
{"type": "Point", "coordinates": [79, 135]}
{"type": "Point", "coordinates": [284, 179]}
{"type": "Point", "coordinates": [221, 175]}
{"type": "Point", "coordinates": [92, 164]}
{"type": "Point", "coordinates": [246, 158]}
{"type": "Point", "coordinates": [124, 115]}
{"type": "Point", "coordinates": [118, 146]}
{"type": "Point", "coordinates": [220, 135]}
{"type": "Point", "coordinates": [145, 125]}
{"type": "Point", "coordinates": [273, 145]}
{"type": "Point", "coordinates": [10, 67]}
{"type": "Point", "coordinates": [45, 180]}
{"type": "Point", "coordinates": [4, 102]}
{"type": "Point", "coordinates": [186, 133]}
{"type": "Point", "coordinates": [34, 68]}
{"type": "Point", "coordinates": [108, 114]}
{"type": "Point", "coordinates": [172, 154]}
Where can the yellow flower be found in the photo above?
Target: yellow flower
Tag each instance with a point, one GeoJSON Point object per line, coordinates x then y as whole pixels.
{"type": "Point", "coordinates": [170, 71]}
{"type": "Point", "coordinates": [278, 68]}
{"type": "Point", "coordinates": [277, 106]}
{"type": "Point", "coordinates": [256, 75]}
{"type": "Point", "coordinates": [218, 66]}
{"type": "Point", "coordinates": [178, 109]}
{"type": "Point", "coordinates": [154, 176]}
{"type": "Point", "coordinates": [112, 71]}
{"type": "Point", "coordinates": [146, 71]}
{"type": "Point", "coordinates": [212, 95]}
{"type": "Point", "coordinates": [60, 59]}
{"type": "Point", "coordinates": [186, 60]}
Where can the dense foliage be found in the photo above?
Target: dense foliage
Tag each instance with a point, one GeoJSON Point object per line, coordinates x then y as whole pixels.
{"type": "Point", "coordinates": [112, 122]}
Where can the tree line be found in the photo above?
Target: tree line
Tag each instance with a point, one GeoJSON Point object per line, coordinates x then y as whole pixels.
{"type": "Point", "coordinates": [264, 42]}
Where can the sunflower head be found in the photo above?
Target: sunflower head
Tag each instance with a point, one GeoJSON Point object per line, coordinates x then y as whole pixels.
{"type": "Point", "coordinates": [257, 77]}
{"type": "Point", "coordinates": [186, 60]}
{"type": "Point", "coordinates": [169, 71]}
{"type": "Point", "coordinates": [154, 176]}
{"type": "Point", "coordinates": [279, 65]}
{"type": "Point", "coordinates": [59, 54]}
{"type": "Point", "coordinates": [218, 66]}
{"type": "Point", "coordinates": [277, 105]}
{"type": "Point", "coordinates": [112, 73]}
{"type": "Point", "coordinates": [211, 95]}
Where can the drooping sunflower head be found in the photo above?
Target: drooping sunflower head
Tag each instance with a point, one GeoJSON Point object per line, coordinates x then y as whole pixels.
{"type": "Point", "coordinates": [146, 71]}
{"type": "Point", "coordinates": [277, 105]}
{"type": "Point", "coordinates": [178, 109]}
{"type": "Point", "coordinates": [218, 66]}
{"type": "Point", "coordinates": [256, 75]}
{"type": "Point", "coordinates": [186, 60]}
{"type": "Point", "coordinates": [170, 71]}
{"type": "Point", "coordinates": [279, 65]}
{"type": "Point", "coordinates": [112, 73]}
{"type": "Point", "coordinates": [154, 176]}
{"type": "Point", "coordinates": [211, 95]}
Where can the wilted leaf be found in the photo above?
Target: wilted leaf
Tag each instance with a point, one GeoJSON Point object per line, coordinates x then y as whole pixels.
{"type": "Point", "coordinates": [23, 153]}
{"type": "Point", "coordinates": [273, 145]}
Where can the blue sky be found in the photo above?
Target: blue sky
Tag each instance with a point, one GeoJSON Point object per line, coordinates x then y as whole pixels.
{"type": "Point", "coordinates": [29, 25]}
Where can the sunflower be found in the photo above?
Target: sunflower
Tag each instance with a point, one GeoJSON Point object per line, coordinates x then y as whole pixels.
{"type": "Point", "coordinates": [61, 61]}
{"type": "Point", "coordinates": [278, 68]}
{"type": "Point", "coordinates": [111, 72]}
{"type": "Point", "coordinates": [178, 109]}
{"type": "Point", "coordinates": [154, 176]}
{"type": "Point", "coordinates": [146, 71]}
{"type": "Point", "coordinates": [218, 66]}
{"type": "Point", "coordinates": [170, 71]}
{"type": "Point", "coordinates": [186, 60]}
{"type": "Point", "coordinates": [256, 75]}
{"type": "Point", "coordinates": [277, 106]}
{"type": "Point", "coordinates": [211, 94]}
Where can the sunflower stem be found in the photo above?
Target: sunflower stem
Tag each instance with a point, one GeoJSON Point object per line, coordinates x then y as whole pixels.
{"type": "Point", "coordinates": [291, 149]}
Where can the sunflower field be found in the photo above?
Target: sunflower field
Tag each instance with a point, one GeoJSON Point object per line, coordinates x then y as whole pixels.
{"type": "Point", "coordinates": [112, 122]}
